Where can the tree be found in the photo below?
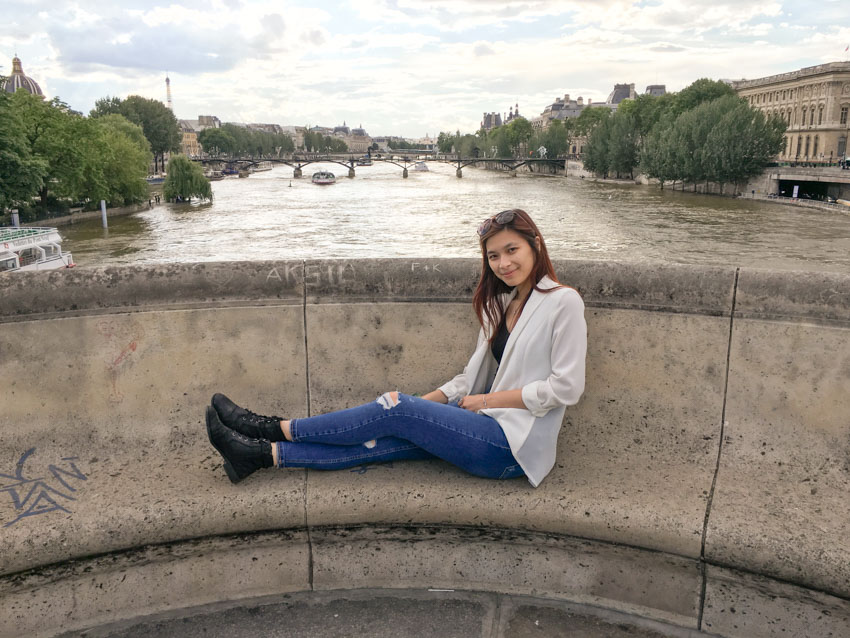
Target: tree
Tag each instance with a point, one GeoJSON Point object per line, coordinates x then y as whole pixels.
{"type": "Point", "coordinates": [590, 118]}
{"type": "Point", "coordinates": [519, 133]}
{"type": "Point", "coordinates": [185, 180]}
{"type": "Point", "coordinates": [623, 143]}
{"type": "Point", "coordinates": [699, 92]}
{"type": "Point", "coordinates": [21, 174]}
{"type": "Point", "coordinates": [216, 141]}
{"type": "Point", "coordinates": [595, 157]}
{"type": "Point", "coordinates": [58, 139]}
{"type": "Point", "coordinates": [126, 154]}
{"type": "Point", "coordinates": [106, 106]}
{"type": "Point", "coordinates": [158, 123]}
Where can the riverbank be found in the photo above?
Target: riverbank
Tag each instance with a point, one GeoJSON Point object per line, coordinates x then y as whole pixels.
{"type": "Point", "coordinates": [75, 217]}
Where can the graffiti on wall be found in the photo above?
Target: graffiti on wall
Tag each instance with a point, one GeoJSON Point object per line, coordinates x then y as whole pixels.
{"type": "Point", "coordinates": [52, 491]}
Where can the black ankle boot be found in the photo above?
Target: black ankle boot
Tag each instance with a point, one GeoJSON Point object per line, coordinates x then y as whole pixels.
{"type": "Point", "coordinates": [246, 422]}
{"type": "Point", "coordinates": [242, 455]}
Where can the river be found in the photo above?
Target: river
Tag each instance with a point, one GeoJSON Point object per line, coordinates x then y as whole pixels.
{"type": "Point", "coordinates": [270, 215]}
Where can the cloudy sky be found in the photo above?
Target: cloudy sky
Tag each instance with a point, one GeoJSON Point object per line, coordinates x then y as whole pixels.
{"type": "Point", "coordinates": [403, 67]}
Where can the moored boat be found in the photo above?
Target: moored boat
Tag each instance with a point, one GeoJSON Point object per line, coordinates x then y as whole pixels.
{"type": "Point", "coordinates": [32, 249]}
{"type": "Point", "coordinates": [262, 166]}
{"type": "Point", "coordinates": [324, 177]}
{"type": "Point", "coordinates": [420, 166]}
{"type": "Point", "coordinates": [364, 161]}
{"type": "Point", "coordinates": [155, 179]}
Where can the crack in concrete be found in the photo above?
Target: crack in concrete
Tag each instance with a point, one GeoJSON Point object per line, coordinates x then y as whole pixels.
{"type": "Point", "coordinates": [702, 561]}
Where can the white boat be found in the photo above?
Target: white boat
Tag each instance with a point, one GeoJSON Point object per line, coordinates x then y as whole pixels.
{"type": "Point", "coordinates": [262, 166]}
{"type": "Point", "coordinates": [420, 166]}
{"type": "Point", "coordinates": [32, 249]}
{"type": "Point", "coordinates": [324, 177]}
{"type": "Point", "coordinates": [364, 161]}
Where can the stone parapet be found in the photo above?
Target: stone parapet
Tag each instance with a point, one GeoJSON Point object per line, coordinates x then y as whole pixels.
{"type": "Point", "coordinates": [705, 463]}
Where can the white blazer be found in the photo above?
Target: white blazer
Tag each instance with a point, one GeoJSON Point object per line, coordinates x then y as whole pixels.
{"type": "Point", "coordinates": [544, 356]}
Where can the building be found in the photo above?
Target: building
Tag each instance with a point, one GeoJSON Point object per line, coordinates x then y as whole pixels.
{"type": "Point", "coordinates": [189, 130]}
{"type": "Point", "coordinates": [813, 102]}
{"type": "Point", "coordinates": [656, 90]}
{"type": "Point", "coordinates": [19, 80]}
{"type": "Point", "coordinates": [491, 121]}
{"type": "Point", "coordinates": [561, 109]}
{"type": "Point", "coordinates": [621, 92]}
{"type": "Point", "coordinates": [189, 144]}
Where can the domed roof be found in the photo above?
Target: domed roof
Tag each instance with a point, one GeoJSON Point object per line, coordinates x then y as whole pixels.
{"type": "Point", "coordinates": [20, 81]}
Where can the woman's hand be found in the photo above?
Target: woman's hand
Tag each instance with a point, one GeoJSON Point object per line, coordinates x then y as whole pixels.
{"type": "Point", "coordinates": [474, 402]}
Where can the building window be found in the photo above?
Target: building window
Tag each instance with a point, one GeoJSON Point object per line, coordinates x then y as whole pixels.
{"type": "Point", "coordinates": [812, 116]}
{"type": "Point", "coordinates": [785, 152]}
{"type": "Point", "coordinates": [815, 149]}
{"type": "Point", "coordinates": [820, 115]}
{"type": "Point", "coordinates": [843, 119]}
{"type": "Point", "coordinates": [799, 144]}
{"type": "Point", "coordinates": [803, 120]}
{"type": "Point", "coordinates": [808, 144]}
{"type": "Point", "coordinates": [842, 146]}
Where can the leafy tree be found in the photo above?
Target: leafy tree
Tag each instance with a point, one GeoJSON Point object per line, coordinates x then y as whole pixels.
{"type": "Point", "coordinates": [595, 158]}
{"type": "Point", "coordinates": [518, 134]}
{"type": "Point", "coordinates": [158, 123]}
{"type": "Point", "coordinates": [21, 174]}
{"type": "Point", "coordinates": [445, 142]}
{"type": "Point", "coordinates": [590, 118]}
{"type": "Point", "coordinates": [699, 92]}
{"type": "Point", "coordinates": [106, 106]}
{"type": "Point", "coordinates": [216, 141]}
{"type": "Point", "coordinates": [556, 139]}
{"type": "Point", "coordinates": [623, 143]}
{"type": "Point", "coordinates": [126, 156]}
{"type": "Point", "coordinates": [58, 139]}
{"type": "Point", "coordinates": [185, 179]}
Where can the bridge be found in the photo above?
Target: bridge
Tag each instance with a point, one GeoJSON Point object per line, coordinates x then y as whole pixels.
{"type": "Point", "coordinates": [402, 159]}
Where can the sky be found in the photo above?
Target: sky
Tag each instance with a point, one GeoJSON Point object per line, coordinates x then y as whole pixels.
{"type": "Point", "coordinates": [403, 67]}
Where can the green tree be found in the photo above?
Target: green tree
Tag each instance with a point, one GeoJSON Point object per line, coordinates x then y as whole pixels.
{"type": "Point", "coordinates": [126, 155]}
{"type": "Point", "coordinates": [158, 123]}
{"type": "Point", "coordinates": [21, 174]}
{"type": "Point", "coordinates": [590, 118]}
{"type": "Point", "coordinates": [59, 139]}
{"type": "Point", "coordinates": [518, 134]}
{"type": "Point", "coordinates": [185, 179]}
{"type": "Point", "coordinates": [216, 141]}
{"type": "Point", "coordinates": [623, 144]}
{"type": "Point", "coordinates": [106, 106]}
{"type": "Point", "coordinates": [595, 157]}
{"type": "Point", "coordinates": [699, 92]}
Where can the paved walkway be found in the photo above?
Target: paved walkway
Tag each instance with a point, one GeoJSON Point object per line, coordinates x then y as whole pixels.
{"type": "Point", "coordinates": [395, 614]}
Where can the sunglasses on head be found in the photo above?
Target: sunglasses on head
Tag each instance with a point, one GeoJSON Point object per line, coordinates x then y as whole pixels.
{"type": "Point", "coordinates": [505, 217]}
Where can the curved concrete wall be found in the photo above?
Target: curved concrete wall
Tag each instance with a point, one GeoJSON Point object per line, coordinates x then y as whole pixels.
{"type": "Point", "coordinates": [703, 471]}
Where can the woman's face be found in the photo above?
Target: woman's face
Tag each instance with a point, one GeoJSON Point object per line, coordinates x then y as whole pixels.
{"type": "Point", "coordinates": [510, 257]}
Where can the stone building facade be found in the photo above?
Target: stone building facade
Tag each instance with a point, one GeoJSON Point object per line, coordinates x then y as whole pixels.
{"type": "Point", "coordinates": [814, 103]}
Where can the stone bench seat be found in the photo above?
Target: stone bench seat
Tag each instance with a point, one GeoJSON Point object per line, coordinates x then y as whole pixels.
{"type": "Point", "coordinates": [702, 471]}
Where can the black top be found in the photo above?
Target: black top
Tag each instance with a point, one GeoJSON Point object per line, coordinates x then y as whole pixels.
{"type": "Point", "coordinates": [501, 340]}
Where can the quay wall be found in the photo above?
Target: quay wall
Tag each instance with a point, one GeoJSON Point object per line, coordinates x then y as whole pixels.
{"type": "Point", "coordinates": [701, 481]}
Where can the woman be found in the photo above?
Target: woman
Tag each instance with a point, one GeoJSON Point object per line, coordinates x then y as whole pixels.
{"type": "Point", "coordinates": [504, 410]}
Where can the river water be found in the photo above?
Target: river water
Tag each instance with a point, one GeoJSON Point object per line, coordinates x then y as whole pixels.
{"type": "Point", "coordinates": [270, 215]}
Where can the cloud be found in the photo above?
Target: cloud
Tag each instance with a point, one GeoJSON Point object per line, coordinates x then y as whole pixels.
{"type": "Point", "coordinates": [483, 49]}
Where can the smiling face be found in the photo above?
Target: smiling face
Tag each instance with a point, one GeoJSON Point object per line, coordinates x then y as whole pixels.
{"type": "Point", "coordinates": [511, 258]}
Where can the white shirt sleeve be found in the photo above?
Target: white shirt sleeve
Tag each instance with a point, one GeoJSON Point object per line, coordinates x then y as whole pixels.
{"type": "Point", "coordinates": [565, 383]}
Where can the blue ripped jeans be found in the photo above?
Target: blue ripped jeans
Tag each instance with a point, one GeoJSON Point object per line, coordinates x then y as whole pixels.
{"type": "Point", "coordinates": [413, 428]}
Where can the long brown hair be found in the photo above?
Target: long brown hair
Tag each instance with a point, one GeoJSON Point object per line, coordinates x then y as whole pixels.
{"type": "Point", "coordinates": [487, 300]}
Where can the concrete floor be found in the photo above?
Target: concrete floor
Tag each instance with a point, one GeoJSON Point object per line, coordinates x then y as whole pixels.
{"type": "Point", "coordinates": [394, 614]}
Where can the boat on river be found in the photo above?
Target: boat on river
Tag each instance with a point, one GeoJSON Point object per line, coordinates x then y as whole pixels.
{"type": "Point", "coordinates": [32, 249]}
{"type": "Point", "coordinates": [324, 177]}
{"type": "Point", "coordinates": [364, 161]}
{"type": "Point", "coordinates": [155, 179]}
{"type": "Point", "coordinates": [421, 167]}
{"type": "Point", "coordinates": [262, 166]}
